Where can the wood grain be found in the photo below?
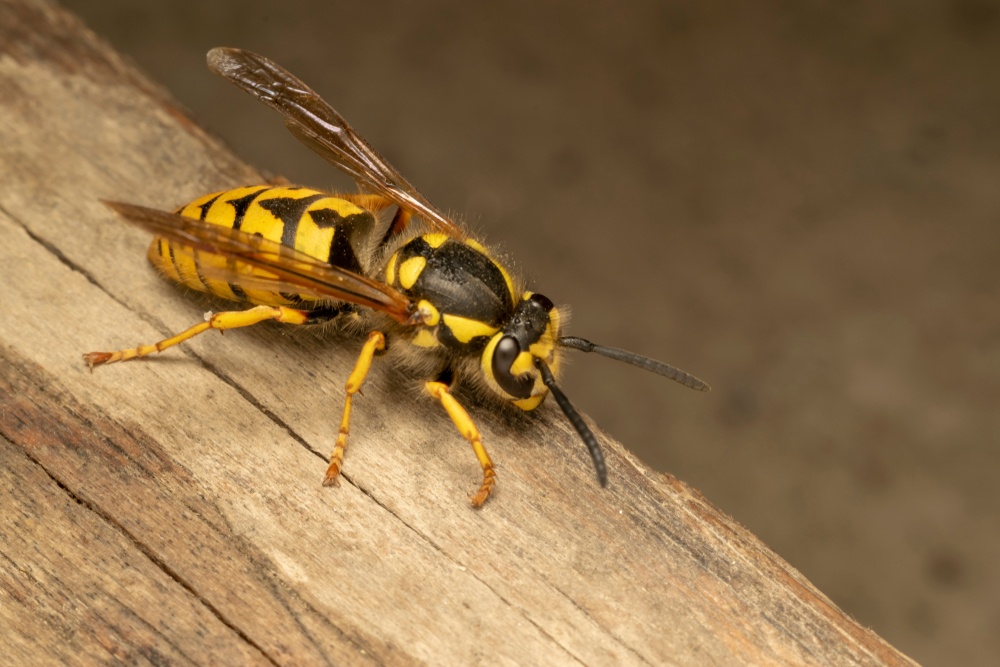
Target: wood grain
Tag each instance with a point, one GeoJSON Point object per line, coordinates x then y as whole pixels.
{"type": "Point", "coordinates": [170, 511]}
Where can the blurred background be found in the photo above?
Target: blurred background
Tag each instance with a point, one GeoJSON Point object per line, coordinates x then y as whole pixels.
{"type": "Point", "coordinates": [798, 202]}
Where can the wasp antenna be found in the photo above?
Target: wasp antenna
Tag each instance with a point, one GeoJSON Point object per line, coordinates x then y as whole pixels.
{"type": "Point", "coordinates": [652, 365]}
{"type": "Point", "coordinates": [576, 420]}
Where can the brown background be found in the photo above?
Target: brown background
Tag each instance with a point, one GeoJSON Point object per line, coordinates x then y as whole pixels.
{"type": "Point", "coordinates": [798, 202]}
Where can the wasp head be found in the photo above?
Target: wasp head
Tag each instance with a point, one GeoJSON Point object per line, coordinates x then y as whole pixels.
{"type": "Point", "coordinates": [509, 360]}
{"type": "Point", "coordinates": [522, 360]}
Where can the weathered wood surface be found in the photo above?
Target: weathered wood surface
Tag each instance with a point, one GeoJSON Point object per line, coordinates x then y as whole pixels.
{"type": "Point", "coordinates": [170, 511]}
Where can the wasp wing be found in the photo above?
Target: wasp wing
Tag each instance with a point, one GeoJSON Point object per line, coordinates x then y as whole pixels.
{"type": "Point", "coordinates": [318, 125]}
{"type": "Point", "coordinates": [286, 269]}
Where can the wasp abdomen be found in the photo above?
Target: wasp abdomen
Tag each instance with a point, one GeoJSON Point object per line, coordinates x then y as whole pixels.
{"type": "Point", "coordinates": [320, 225]}
{"type": "Point", "coordinates": [468, 293]}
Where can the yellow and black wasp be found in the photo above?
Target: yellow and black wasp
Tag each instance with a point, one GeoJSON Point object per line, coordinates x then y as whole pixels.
{"type": "Point", "coordinates": [304, 257]}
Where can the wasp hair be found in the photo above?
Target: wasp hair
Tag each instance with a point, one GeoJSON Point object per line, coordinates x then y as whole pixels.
{"type": "Point", "coordinates": [576, 420]}
{"type": "Point", "coordinates": [652, 365]}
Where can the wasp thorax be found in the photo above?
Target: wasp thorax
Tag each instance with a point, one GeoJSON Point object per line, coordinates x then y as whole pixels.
{"type": "Point", "coordinates": [462, 294]}
{"type": "Point", "coordinates": [531, 333]}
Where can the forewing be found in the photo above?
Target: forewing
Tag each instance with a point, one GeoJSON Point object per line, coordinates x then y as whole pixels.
{"type": "Point", "coordinates": [318, 125]}
{"type": "Point", "coordinates": [293, 271]}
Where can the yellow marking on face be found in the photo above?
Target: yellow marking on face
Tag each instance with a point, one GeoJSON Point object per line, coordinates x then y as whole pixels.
{"type": "Point", "coordinates": [545, 345]}
{"type": "Point", "coordinates": [410, 270]}
{"type": "Point", "coordinates": [532, 402]}
{"type": "Point", "coordinates": [431, 314]}
{"type": "Point", "coordinates": [465, 329]}
{"type": "Point", "coordinates": [435, 240]}
{"type": "Point", "coordinates": [523, 364]}
{"type": "Point", "coordinates": [486, 360]}
{"type": "Point", "coordinates": [425, 338]}
{"type": "Point", "coordinates": [390, 270]}
{"type": "Point", "coordinates": [555, 322]}
{"type": "Point", "coordinates": [554, 366]}
{"type": "Point", "coordinates": [542, 349]}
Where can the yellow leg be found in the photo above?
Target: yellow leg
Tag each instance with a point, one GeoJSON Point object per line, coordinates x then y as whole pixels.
{"type": "Point", "coordinates": [468, 429]}
{"type": "Point", "coordinates": [376, 341]}
{"type": "Point", "coordinates": [220, 321]}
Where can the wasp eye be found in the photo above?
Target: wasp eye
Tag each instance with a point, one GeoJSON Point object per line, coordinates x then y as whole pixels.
{"type": "Point", "coordinates": [543, 301]}
{"type": "Point", "coordinates": [504, 356]}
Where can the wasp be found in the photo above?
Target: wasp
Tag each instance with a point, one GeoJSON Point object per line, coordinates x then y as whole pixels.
{"type": "Point", "coordinates": [415, 280]}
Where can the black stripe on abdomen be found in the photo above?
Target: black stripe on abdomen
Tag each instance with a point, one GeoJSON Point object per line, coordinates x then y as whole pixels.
{"type": "Point", "coordinates": [242, 204]}
{"type": "Point", "coordinates": [289, 210]}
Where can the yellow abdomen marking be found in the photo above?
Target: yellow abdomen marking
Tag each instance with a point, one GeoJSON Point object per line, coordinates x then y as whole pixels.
{"type": "Point", "coordinates": [300, 218]}
{"type": "Point", "coordinates": [314, 240]}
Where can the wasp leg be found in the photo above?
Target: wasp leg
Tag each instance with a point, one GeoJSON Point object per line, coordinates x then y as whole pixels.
{"type": "Point", "coordinates": [467, 428]}
{"type": "Point", "coordinates": [376, 341]}
{"type": "Point", "coordinates": [221, 321]}
{"type": "Point", "coordinates": [375, 203]}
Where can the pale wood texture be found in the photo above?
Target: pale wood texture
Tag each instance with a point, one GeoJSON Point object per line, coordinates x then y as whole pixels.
{"type": "Point", "coordinates": [170, 511]}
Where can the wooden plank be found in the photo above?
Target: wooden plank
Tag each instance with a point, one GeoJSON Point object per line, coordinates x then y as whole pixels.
{"type": "Point", "coordinates": [77, 588]}
{"type": "Point", "coordinates": [199, 471]}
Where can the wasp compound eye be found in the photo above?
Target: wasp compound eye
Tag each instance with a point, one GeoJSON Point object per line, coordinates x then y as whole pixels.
{"type": "Point", "coordinates": [504, 356]}
{"type": "Point", "coordinates": [543, 301]}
